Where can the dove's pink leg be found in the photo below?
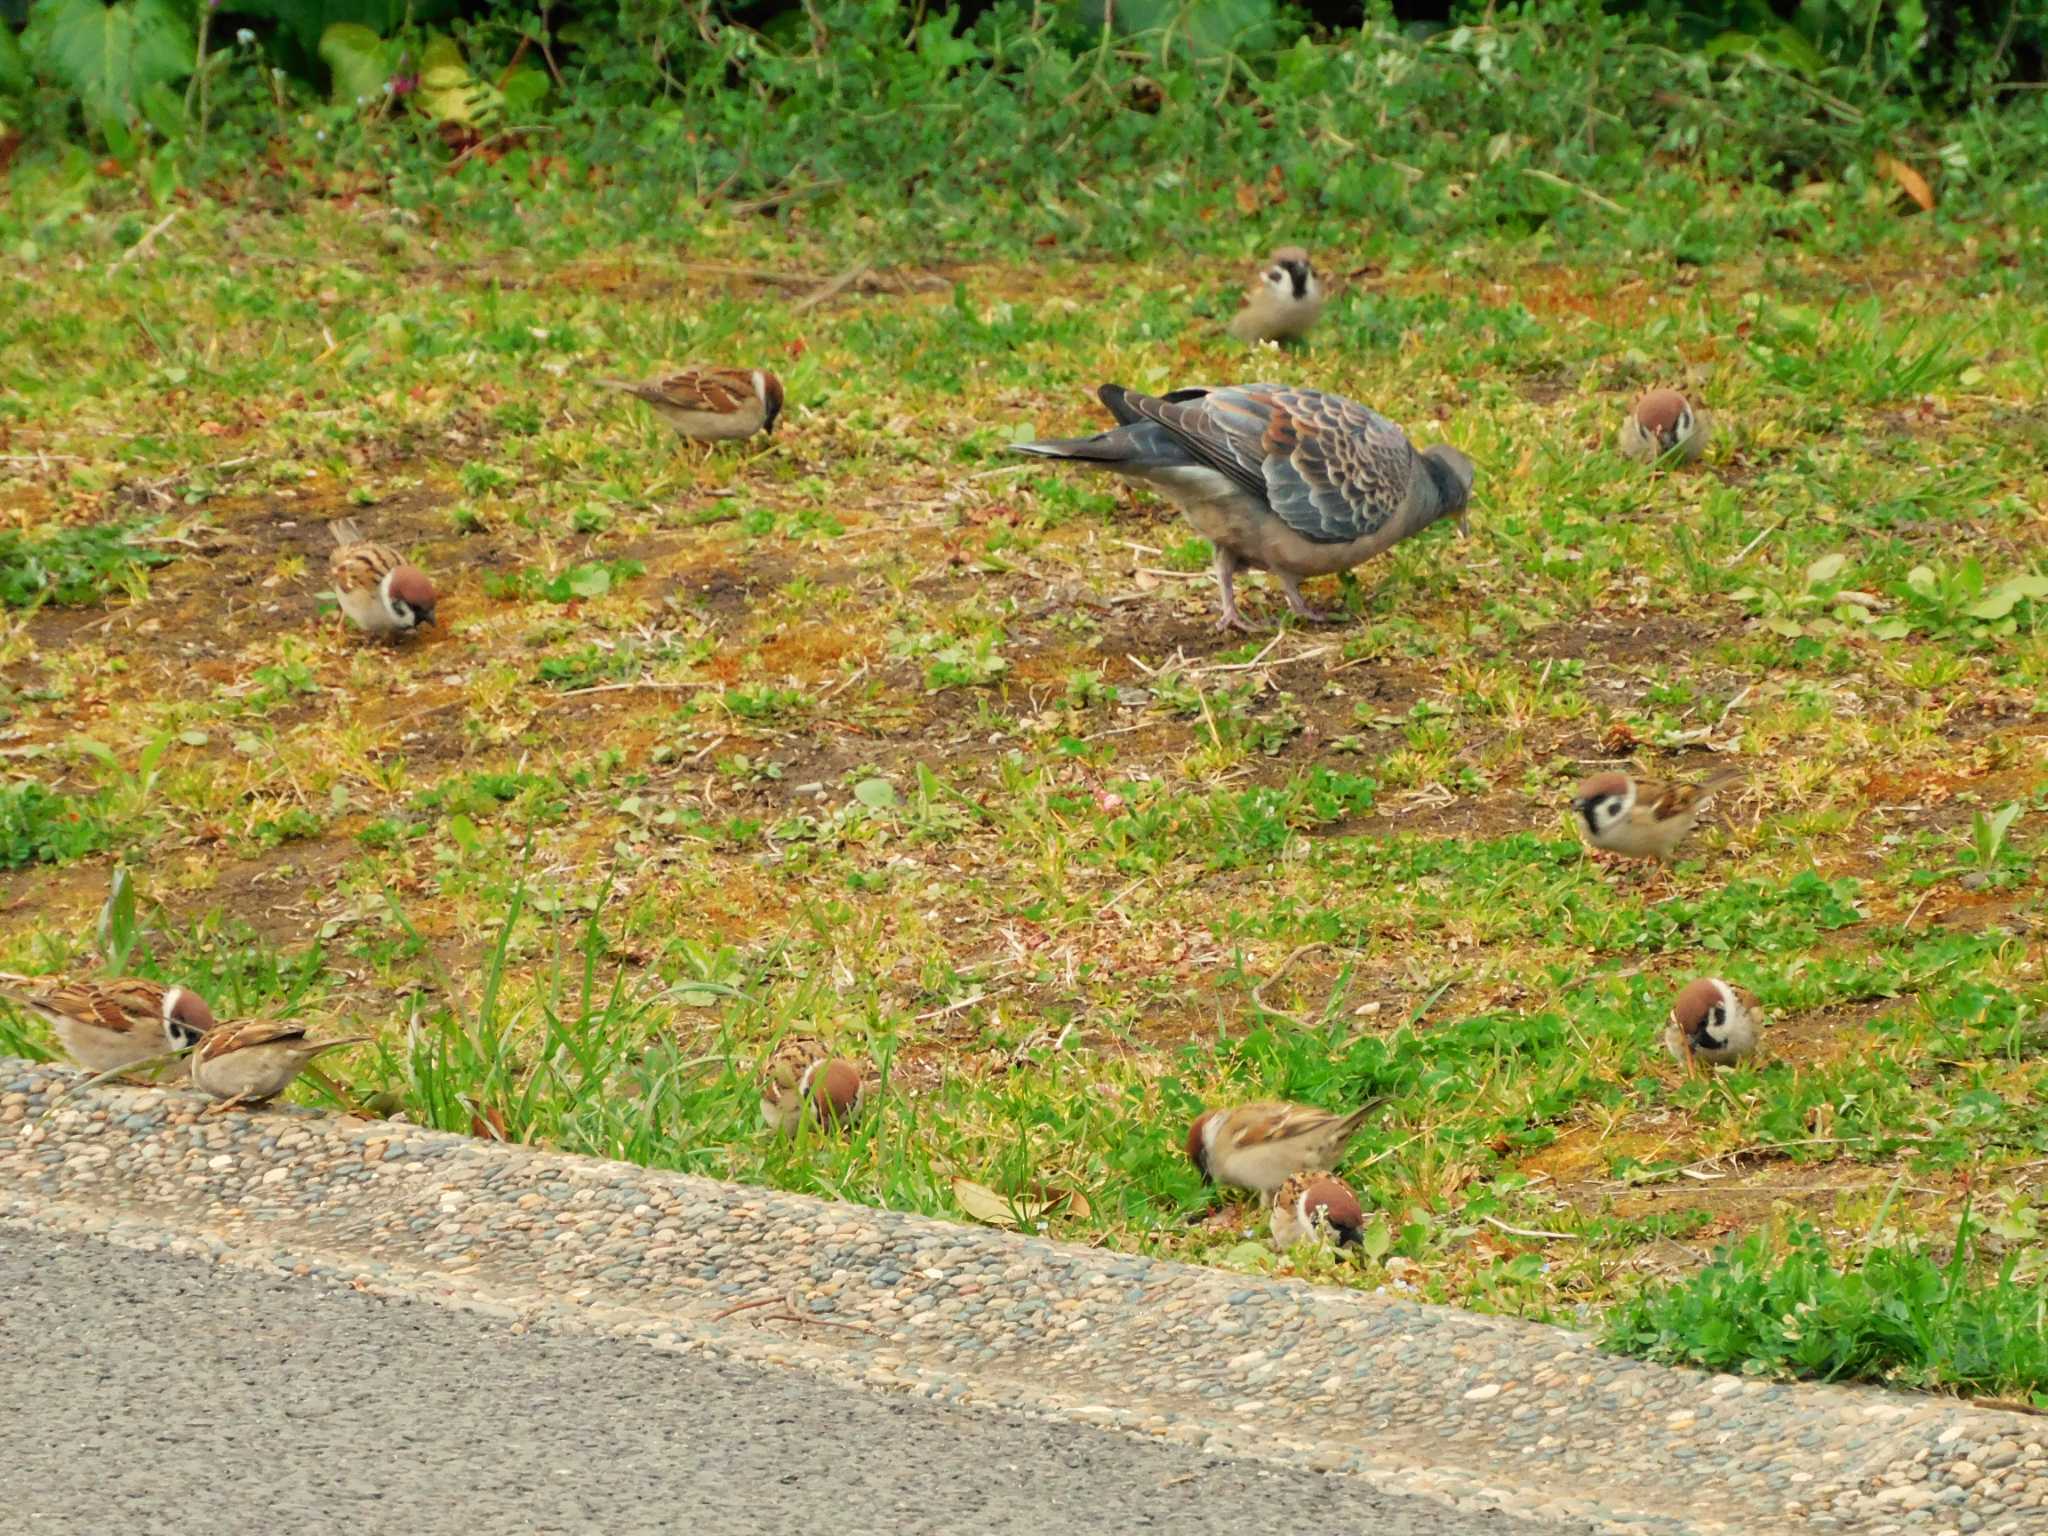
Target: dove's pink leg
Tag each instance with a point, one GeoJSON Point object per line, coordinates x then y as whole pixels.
{"type": "Point", "coordinates": [1226, 582]}
{"type": "Point", "coordinates": [1297, 602]}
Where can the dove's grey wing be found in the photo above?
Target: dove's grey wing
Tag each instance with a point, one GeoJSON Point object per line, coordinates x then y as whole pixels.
{"type": "Point", "coordinates": [1332, 470]}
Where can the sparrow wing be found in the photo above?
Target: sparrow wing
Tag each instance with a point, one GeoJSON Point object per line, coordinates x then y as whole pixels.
{"type": "Point", "coordinates": [1330, 469]}
{"type": "Point", "coordinates": [784, 1069]}
{"type": "Point", "coordinates": [248, 1034]}
{"type": "Point", "coordinates": [1667, 801]}
{"type": "Point", "coordinates": [126, 1006]}
{"type": "Point", "coordinates": [355, 567]}
{"type": "Point", "coordinates": [717, 391]}
{"type": "Point", "coordinates": [1267, 1124]}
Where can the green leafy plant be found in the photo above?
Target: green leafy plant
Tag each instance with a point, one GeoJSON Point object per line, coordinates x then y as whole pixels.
{"type": "Point", "coordinates": [592, 579]}
{"type": "Point", "coordinates": [72, 567]}
{"type": "Point", "coordinates": [121, 62]}
{"type": "Point", "coordinates": [1795, 1307]}
{"type": "Point", "coordinates": [40, 826]}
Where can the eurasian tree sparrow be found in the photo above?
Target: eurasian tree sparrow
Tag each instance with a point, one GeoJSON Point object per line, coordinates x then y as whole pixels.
{"type": "Point", "coordinates": [1661, 421]}
{"type": "Point", "coordinates": [105, 1026]}
{"type": "Point", "coordinates": [382, 595]}
{"type": "Point", "coordinates": [1641, 818]}
{"type": "Point", "coordinates": [254, 1061]}
{"type": "Point", "coordinates": [1283, 300]}
{"type": "Point", "coordinates": [801, 1071]}
{"type": "Point", "coordinates": [1712, 1022]}
{"type": "Point", "coordinates": [710, 405]}
{"type": "Point", "coordinates": [1261, 1146]}
{"type": "Point", "coordinates": [1292, 481]}
{"type": "Point", "coordinates": [1318, 1206]}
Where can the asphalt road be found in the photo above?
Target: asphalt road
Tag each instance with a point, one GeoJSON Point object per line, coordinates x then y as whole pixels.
{"type": "Point", "coordinates": [145, 1394]}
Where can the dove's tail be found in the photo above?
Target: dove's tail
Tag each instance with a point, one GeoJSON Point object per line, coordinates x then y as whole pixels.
{"type": "Point", "coordinates": [1111, 447]}
{"type": "Point", "coordinates": [345, 531]}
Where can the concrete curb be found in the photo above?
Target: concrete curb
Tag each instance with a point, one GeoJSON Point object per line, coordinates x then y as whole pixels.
{"type": "Point", "coordinates": [1474, 1411]}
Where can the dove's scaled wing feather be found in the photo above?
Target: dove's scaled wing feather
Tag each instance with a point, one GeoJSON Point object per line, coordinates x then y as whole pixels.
{"type": "Point", "coordinates": [1331, 470]}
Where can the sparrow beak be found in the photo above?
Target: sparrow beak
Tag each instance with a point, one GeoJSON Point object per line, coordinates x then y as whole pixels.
{"type": "Point", "coordinates": [426, 616]}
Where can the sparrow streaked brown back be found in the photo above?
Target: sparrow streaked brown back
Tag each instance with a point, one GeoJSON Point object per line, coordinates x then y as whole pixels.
{"type": "Point", "coordinates": [1261, 1146]}
{"type": "Point", "coordinates": [801, 1071]}
{"type": "Point", "coordinates": [255, 1060]}
{"type": "Point", "coordinates": [1641, 818]}
{"type": "Point", "coordinates": [710, 405]}
{"type": "Point", "coordinates": [383, 595]}
{"type": "Point", "coordinates": [105, 1026]}
{"type": "Point", "coordinates": [1315, 1205]}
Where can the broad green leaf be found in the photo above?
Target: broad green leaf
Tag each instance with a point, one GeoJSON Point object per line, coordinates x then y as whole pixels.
{"type": "Point", "coordinates": [1377, 1238]}
{"type": "Point", "coordinates": [877, 794]}
{"type": "Point", "coordinates": [448, 92]}
{"type": "Point", "coordinates": [117, 922]}
{"type": "Point", "coordinates": [15, 76]}
{"type": "Point", "coordinates": [355, 56]}
{"type": "Point", "coordinates": [1826, 568]}
{"type": "Point", "coordinates": [590, 581]}
{"type": "Point", "coordinates": [109, 54]}
{"type": "Point", "coordinates": [524, 89]}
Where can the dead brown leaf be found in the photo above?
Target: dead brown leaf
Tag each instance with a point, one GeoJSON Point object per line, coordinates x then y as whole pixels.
{"type": "Point", "coordinates": [1910, 181]}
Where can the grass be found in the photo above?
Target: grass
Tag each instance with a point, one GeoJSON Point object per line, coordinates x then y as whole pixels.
{"type": "Point", "coordinates": [867, 731]}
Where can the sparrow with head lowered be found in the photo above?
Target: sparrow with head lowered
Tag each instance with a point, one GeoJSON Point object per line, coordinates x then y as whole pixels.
{"type": "Point", "coordinates": [106, 1026]}
{"type": "Point", "coordinates": [710, 405]}
{"type": "Point", "coordinates": [1641, 818]}
{"type": "Point", "coordinates": [383, 595]}
{"type": "Point", "coordinates": [801, 1072]}
{"type": "Point", "coordinates": [1315, 1206]}
{"type": "Point", "coordinates": [1663, 421]}
{"type": "Point", "coordinates": [1283, 300]}
{"type": "Point", "coordinates": [1291, 481]}
{"type": "Point", "coordinates": [1712, 1022]}
{"type": "Point", "coordinates": [254, 1061]}
{"type": "Point", "coordinates": [1261, 1146]}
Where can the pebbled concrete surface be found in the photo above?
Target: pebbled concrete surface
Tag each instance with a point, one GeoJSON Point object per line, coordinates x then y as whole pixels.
{"type": "Point", "coordinates": [1482, 1413]}
{"type": "Point", "coordinates": [151, 1392]}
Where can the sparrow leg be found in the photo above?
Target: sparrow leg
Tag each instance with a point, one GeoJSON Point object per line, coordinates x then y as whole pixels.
{"type": "Point", "coordinates": [1226, 583]}
{"type": "Point", "coordinates": [223, 1105]}
{"type": "Point", "coordinates": [1298, 604]}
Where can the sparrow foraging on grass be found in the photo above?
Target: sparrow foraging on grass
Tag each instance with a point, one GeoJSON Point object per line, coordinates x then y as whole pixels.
{"type": "Point", "coordinates": [801, 1071]}
{"type": "Point", "coordinates": [1712, 1022]}
{"type": "Point", "coordinates": [1261, 1146]}
{"type": "Point", "coordinates": [1641, 818]}
{"type": "Point", "coordinates": [105, 1026]}
{"type": "Point", "coordinates": [710, 405]}
{"type": "Point", "coordinates": [254, 1061]}
{"type": "Point", "coordinates": [381, 593]}
{"type": "Point", "coordinates": [1292, 481]}
{"type": "Point", "coordinates": [1316, 1206]}
{"type": "Point", "coordinates": [1661, 421]}
{"type": "Point", "coordinates": [1283, 300]}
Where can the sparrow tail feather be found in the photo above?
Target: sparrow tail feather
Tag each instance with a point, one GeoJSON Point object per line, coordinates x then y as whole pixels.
{"type": "Point", "coordinates": [345, 531]}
